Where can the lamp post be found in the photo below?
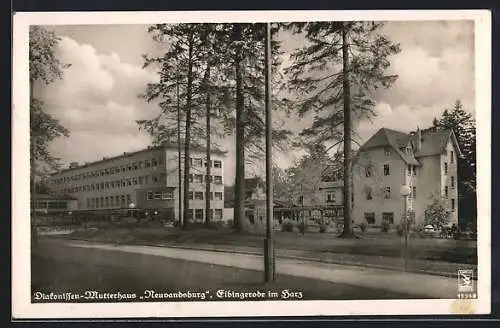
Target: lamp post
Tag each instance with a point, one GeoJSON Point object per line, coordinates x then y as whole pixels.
{"type": "Point", "coordinates": [70, 219]}
{"type": "Point", "coordinates": [405, 191]}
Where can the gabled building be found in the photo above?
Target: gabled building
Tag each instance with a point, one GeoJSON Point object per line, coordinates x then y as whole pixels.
{"type": "Point", "coordinates": [424, 160]}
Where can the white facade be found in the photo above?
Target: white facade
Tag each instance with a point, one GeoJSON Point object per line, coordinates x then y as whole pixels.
{"type": "Point", "coordinates": [147, 178]}
{"type": "Point", "coordinates": [433, 175]}
{"type": "Point", "coordinates": [198, 182]}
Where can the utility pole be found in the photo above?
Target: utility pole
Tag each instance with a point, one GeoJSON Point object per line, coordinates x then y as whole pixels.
{"type": "Point", "coordinates": [269, 243]}
{"type": "Point", "coordinates": [208, 179]}
{"type": "Point", "coordinates": [179, 145]}
{"type": "Point", "coordinates": [347, 136]}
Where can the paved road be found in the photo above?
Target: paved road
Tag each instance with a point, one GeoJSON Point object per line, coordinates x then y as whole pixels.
{"type": "Point", "coordinates": [425, 286]}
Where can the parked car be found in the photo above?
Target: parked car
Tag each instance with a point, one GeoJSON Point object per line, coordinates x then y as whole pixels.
{"type": "Point", "coordinates": [429, 231]}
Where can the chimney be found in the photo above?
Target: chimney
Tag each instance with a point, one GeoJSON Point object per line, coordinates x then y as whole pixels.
{"type": "Point", "coordinates": [419, 139]}
{"type": "Point", "coordinates": [73, 165]}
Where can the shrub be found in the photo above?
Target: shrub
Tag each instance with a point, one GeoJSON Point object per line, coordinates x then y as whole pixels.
{"type": "Point", "coordinates": [385, 227]}
{"type": "Point", "coordinates": [229, 222]}
{"type": "Point", "coordinates": [436, 214]}
{"type": "Point", "coordinates": [322, 228]}
{"type": "Point", "coordinates": [287, 226]}
{"type": "Point", "coordinates": [363, 226]}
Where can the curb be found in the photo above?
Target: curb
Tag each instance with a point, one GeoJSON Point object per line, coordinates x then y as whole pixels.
{"type": "Point", "coordinates": [301, 258]}
{"type": "Point", "coordinates": [292, 257]}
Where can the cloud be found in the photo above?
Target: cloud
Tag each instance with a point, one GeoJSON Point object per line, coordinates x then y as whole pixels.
{"type": "Point", "coordinates": [97, 100]}
{"type": "Point", "coordinates": [435, 65]}
{"type": "Point", "coordinates": [403, 118]}
{"type": "Point", "coordinates": [88, 147]}
{"type": "Point", "coordinates": [86, 69]}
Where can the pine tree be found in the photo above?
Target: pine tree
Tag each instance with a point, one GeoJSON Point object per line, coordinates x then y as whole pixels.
{"type": "Point", "coordinates": [334, 76]}
{"type": "Point", "coordinates": [181, 64]}
{"type": "Point", "coordinates": [229, 61]}
{"type": "Point", "coordinates": [247, 49]}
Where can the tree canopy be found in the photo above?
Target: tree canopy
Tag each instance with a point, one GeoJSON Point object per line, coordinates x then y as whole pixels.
{"type": "Point", "coordinates": [45, 68]}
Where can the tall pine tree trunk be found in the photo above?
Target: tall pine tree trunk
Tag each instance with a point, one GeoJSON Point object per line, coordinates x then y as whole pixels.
{"type": "Point", "coordinates": [239, 204]}
{"type": "Point", "coordinates": [347, 232]}
{"type": "Point", "coordinates": [187, 139]}
{"type": "Point", "coordinates": [208, 178]}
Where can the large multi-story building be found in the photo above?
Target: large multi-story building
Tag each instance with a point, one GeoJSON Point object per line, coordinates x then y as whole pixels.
{"type": "Point", "coordinates": [425, 161]}
{"type": "Point", "coordinates": [145, 179]}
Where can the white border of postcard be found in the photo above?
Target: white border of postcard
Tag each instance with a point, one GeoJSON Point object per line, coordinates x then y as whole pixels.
{"type": "Point", "coordinates": [23, 309]}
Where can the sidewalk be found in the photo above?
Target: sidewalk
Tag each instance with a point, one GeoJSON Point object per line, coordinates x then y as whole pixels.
{"type": "Point", "coordinates": [439, 268]}
{"type": "Point", "coordinates": [421, 285]}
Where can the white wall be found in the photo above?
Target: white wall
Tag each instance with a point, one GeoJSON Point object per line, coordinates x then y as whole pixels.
{"type": "Point", "coordinates": [378, 182]}
{"type": "Point", "coordinates": [172, 179]}
{"type": "Point", "coordinates": [446, 179]}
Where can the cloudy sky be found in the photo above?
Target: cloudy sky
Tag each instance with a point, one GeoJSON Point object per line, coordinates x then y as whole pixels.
{"type": "Point", "coordinates": [98, 98]}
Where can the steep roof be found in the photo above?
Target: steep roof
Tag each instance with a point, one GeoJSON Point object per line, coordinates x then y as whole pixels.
{"type": "Point", "coordinates": [391, 138]}
{"type": "Point", "coordinates": [433, 142]}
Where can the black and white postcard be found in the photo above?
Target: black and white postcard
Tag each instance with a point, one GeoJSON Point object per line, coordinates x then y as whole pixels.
{"type": "Point", "coordinates": [221, 164]}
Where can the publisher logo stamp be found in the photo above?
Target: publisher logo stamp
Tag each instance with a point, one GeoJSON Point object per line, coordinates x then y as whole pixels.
{"type": "Point", "coordinates": [466, 284]}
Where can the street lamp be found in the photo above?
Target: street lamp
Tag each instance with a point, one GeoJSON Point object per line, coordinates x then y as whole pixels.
{"type": "Point", "coordinates": [405, 191]}
{"type": "Point", "coordinates": [70, 219]}
{"type": "Point", "coordinates": [132, 206]}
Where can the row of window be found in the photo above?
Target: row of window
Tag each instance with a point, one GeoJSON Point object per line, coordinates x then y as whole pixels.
{"type": "Point", "coordinates": [142, 180]}
{"type": "Point", "coordinates": [51, 204]}
{"type": "Point", "coordinates": [330, 197]}
{"type": "Point", "coordinates": [198, 178]}
{"type": "Point", "coordinates": [100, 202]}
{"type": "Point", "coordinates": [369, 170]}
{"type": "Point", "coordinates": [197, 215]}
{"type": "Point", "coordinates": [412, 170]}
{"type": "Point", "coordinates": [198, 162]}
{"type": "Point", "coordinates": [159, 195]}
{"type": "Point", "coordinates": [387, 193]}
{"type": "Point", "coordinates": [199, 195]}
{"type": "Point", "coordinates": [386, 217]}
{"type": "Point", "coordinates": [112, 170]}
{"type": "Point", "coordinates": [123, 183]}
